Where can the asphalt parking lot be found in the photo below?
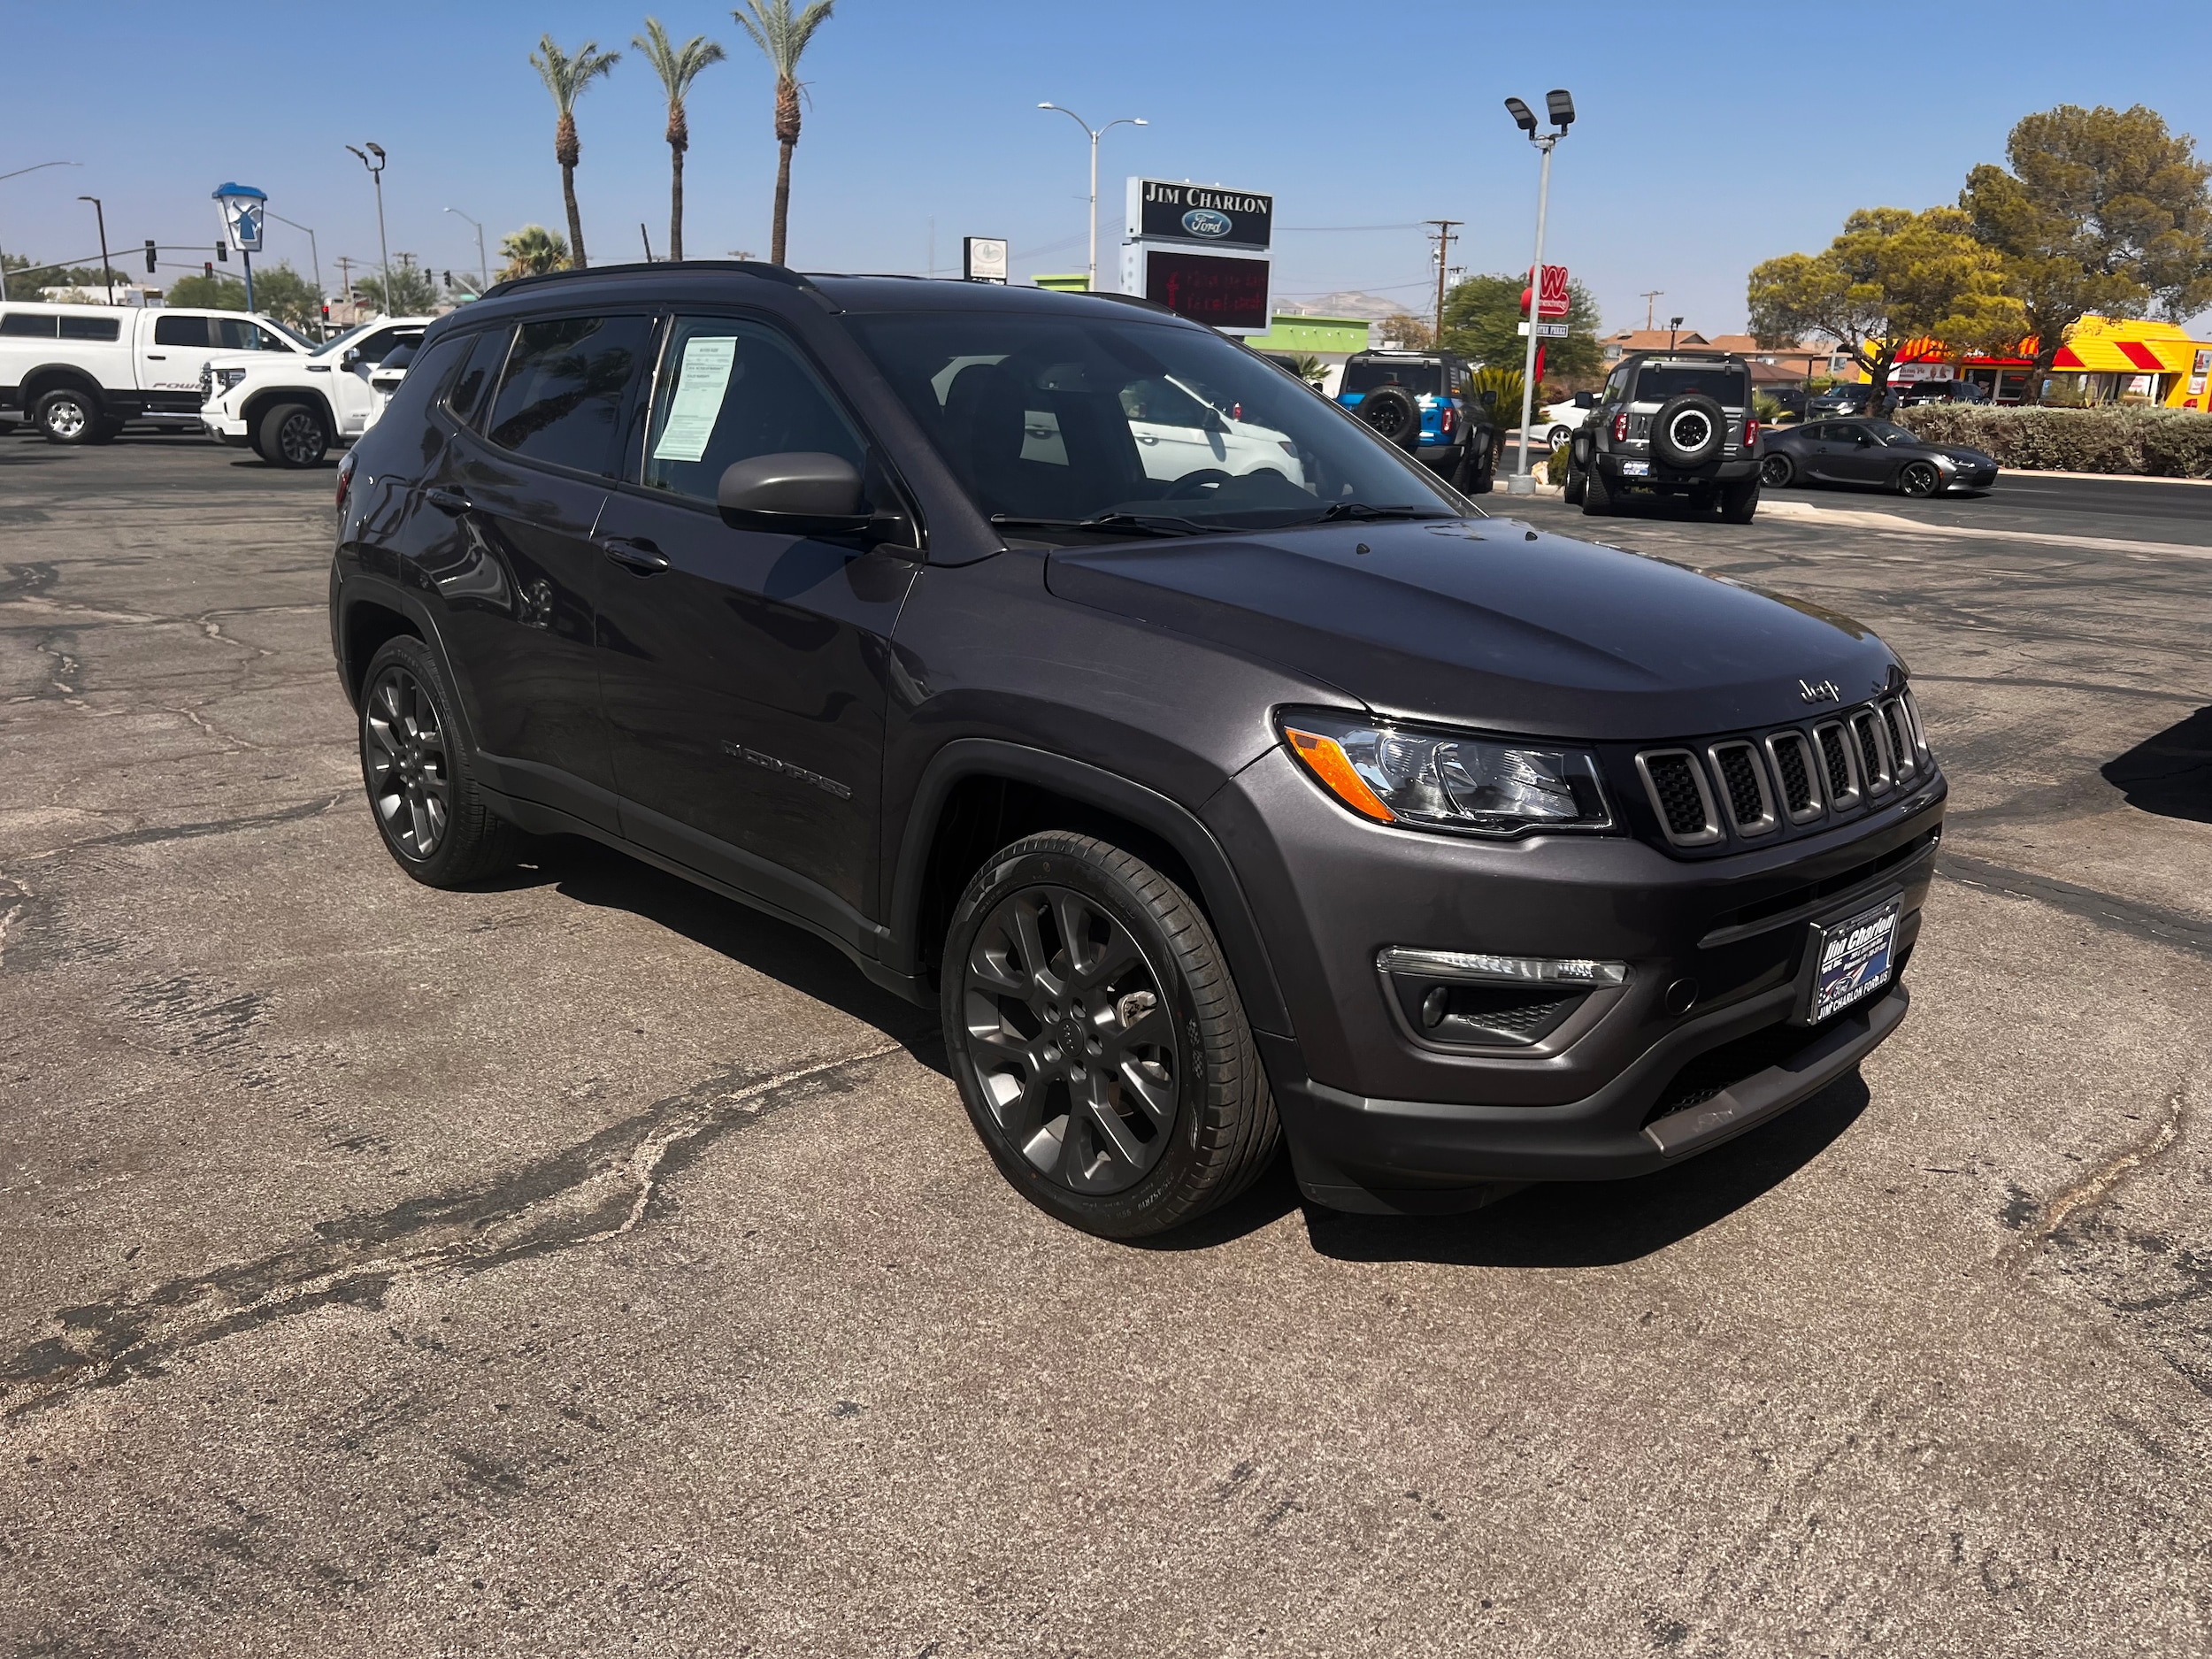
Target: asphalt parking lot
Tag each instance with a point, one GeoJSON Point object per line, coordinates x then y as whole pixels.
{"type": "Point", "coordinates": [584, 1264]}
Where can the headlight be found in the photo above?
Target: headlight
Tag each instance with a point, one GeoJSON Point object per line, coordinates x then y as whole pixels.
{"type": "Point", "coordinates": [1948, 463]}
{"type": "Point", "coordinates": [228, 378]}
{"type": "Point", "coordinates": [1427, 778]}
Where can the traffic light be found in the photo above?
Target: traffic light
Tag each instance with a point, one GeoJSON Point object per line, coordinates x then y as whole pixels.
{"type": "Point", "coordinates": [150, 256]}
{"type": "Point", "coordinates": [222, 251]}
{"type": "Point", "coordinates": [208, 265]}
{"type": "Point", "coordinates": [448, 275]}
{"type": "Point", "coordinates": [326, 311]}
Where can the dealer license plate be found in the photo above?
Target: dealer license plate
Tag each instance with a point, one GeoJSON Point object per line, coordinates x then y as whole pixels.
{"type": "Point", "coordinates": [1635, 469]}
{"type": "Point", "coordinates": [1852, 960]}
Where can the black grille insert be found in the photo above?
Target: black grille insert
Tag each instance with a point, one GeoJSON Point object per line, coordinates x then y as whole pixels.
{"type": "Point", "coordinates": [1674, 782]}
{"type": "Point", "coordinates": [1838, 763]}
{"type": "Point", "coordinates": [1739, 774]}
{"type": "Point", "coordinates": [1797, 778]}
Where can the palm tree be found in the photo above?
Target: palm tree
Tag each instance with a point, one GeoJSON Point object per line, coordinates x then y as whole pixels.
{"type": "Point", "coordinates": [566, 78]}
{"type": "Point", "coordinates": [782, 38]}
{"type": "Point", "coordinates": [531, 251]}
{"type": "Point", "coordinates": [678, 66]}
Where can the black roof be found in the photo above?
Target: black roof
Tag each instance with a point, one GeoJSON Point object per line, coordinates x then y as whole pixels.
{"type": "Point", "coordinates": [833, 291]}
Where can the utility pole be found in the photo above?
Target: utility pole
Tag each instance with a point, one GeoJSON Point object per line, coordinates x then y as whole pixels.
{"type": "Point", "coordinates": [1647, 295]}
{"type": "Point", "coordinates": [1443, 239]}
{"type": "Point", "coordinates": [106, 275]}
{"type": "Point", "coordinates": [345, 280]}
{"type": "Point", "coordinates": [483, 266]}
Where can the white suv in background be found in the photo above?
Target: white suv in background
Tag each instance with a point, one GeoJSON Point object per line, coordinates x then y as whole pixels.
{"type": "Point", "coordinates": [290, 412]}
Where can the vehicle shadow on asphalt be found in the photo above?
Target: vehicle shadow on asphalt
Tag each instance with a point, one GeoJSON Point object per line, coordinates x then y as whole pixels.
{"type": "Point", "coordinates": [2170, 772]}
{"type": "Point", "coordinates": [1602, 1223]}
{"type": "Point", "coordinates": [584, 871]}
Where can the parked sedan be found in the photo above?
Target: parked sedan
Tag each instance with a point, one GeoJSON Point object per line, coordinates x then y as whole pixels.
{"type": "Point", "coordinates": [1874, 452]}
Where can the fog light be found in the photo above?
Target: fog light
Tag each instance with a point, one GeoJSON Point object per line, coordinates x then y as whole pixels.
{"type": "Point", "coordinates": [1478, 968]}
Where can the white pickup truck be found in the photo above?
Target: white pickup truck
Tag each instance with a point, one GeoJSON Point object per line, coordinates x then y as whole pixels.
{"type": "Point", "coordinates": [290, 410]}
{"type": "Point", "coordinates": [81, 372]}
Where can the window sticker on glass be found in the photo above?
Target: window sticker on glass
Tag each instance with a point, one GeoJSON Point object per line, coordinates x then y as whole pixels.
{"type": "Point", "coordinates": [700, 383]}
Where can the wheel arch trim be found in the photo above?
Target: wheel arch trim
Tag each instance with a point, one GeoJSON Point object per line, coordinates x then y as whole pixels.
{"type": "Point", "coordinates": [1220, 890]}
{"type": "Point", "coordinates": [362, 589]}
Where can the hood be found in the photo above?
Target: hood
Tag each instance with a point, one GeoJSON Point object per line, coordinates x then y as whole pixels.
{"type": "Point", "coordinates": [1490, 623]}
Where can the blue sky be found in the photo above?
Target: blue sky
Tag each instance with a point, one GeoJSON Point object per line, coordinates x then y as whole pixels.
{"type": "Point", "coordinates": [1711, 136]}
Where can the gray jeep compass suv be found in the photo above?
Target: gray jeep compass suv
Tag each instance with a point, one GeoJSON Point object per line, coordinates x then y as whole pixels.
{"type": "Point", "coordinates": [1212, 809]}
{"type": "Point", "coordinates": [1672, 424]}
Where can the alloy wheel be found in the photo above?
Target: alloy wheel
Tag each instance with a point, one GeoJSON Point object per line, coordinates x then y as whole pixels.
{"type": "Point", "coordinates": [403, 753]}
{"type": "Point", "coordinates": [300, 439]}
{"type": "Point", "coordinates": [1918, 479]}
{"type": "Point", "coordinates": [1774, 471]}
{"type": "Point", "coordinates": [1070, 1041]}
{"type": "Point", "coordinates": [66, 418]}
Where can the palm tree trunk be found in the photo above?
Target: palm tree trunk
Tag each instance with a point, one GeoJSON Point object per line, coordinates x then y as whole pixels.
{"type": "Point", "coordinates": [675, 203]}
{"type": "Point", "coordinates": [575, 222]}
{"type": "Point", "coordinates": [783, 204]}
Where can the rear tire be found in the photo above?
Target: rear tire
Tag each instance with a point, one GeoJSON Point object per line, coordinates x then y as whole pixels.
{"type": "Point", "coordinates": [420, 770]}
{"type": "Point", "coordinates": [68, 415]}
{"type": "Point", "coordinates": [1097, 1039]}
{"type": "Point", "coordinates": [292, 435]}
{"type": "Point", "coordinates": [1597, 494]}
{"type": "Point", "coordinates": [1485, 471]}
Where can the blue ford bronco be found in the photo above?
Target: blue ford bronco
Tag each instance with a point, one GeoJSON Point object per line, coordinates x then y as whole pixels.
{"type": "Point", "coordinates": [1424, 402]}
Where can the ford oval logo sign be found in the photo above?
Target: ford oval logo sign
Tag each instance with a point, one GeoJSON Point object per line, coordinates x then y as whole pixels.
{"type": "Point", "coordinates": [1203, 221]}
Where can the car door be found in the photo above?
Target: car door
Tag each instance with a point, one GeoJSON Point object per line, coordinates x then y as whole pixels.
{"type": "Point", "coordinates": [1857, 457]}
{"type": "Point", "coordinates": [523, 484]}
{"type": "Point", "coordinates": [351, 397]}
{"type": "Point", "coordinates": [744, 671]}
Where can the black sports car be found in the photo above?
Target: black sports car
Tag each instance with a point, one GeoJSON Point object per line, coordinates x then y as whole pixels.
{"type": "Point", "coordinates": [1875, 452]}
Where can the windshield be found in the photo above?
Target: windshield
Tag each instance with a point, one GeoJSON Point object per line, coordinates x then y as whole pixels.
{"type": "Point", "coordinates": [1418, 378]}
{"type": "Point", "coordinates": [1048, 421]}
{"type": "Point", "coordinates": [1725, 383]}
{"type": "Point", "coordinates": [337, 342]}
{"type": "Point", "coordinates": [292, 334]}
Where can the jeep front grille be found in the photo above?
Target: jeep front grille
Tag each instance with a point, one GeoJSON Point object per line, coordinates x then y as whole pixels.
{"type": "Point", "coordinates": [1742, 788]}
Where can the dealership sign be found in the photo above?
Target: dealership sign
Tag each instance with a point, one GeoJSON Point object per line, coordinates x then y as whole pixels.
{"type": "Point", "coordinates": [1198, 215]}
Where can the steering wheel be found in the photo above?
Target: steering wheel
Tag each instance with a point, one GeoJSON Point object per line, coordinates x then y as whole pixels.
{"type": "Point", "coordinates": [1191, 486]}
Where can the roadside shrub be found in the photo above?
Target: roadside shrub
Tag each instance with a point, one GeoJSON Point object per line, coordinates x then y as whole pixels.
{"type": "Point", "coordinates": [2153, 442]}
{"type": "Point", "coordinates": [1556, 467]}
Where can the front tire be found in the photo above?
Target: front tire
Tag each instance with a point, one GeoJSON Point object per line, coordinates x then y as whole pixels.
{"type": "Point", "coordinates": [420, 773]}
{"type": "Point", "coordinates": [293, 435]}
{"type": "Point", "coordinates": [1775, 471]}
{"type": "Point", "coordinates": [1919, 479]}
{"type": "Point", "coordinates": [1097, 1039]}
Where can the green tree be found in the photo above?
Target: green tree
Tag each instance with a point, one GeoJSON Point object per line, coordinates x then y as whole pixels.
{"type": "Point", "coordinates": [2104, 211]}
{"type": "Point", "coordinates": [782, 38]}
{"type": "Point", "coordinates": [1892, 276]}
{"type": "Point", "coordinates": [678, 66]}
{"type": "Point", "coordinates": [207, 294]}
{"type": "Point", "coordinates": [1482, 322]}
{"type": "Point", "coordinates": [566, 78]}
{"type": "Point", "coordinates": [412, 294]}
{"type": "Point", "coordinates": [530, 252]}
{"type": "Point", "coordinates": [281, 292]}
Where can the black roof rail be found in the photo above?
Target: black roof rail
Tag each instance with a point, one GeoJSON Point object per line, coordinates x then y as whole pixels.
{"type": "Point", "coordinates": [746, 267]}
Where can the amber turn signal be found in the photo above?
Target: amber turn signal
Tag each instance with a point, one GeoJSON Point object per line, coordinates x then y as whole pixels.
{"type": "Point", "coordinates": [1326, 758]}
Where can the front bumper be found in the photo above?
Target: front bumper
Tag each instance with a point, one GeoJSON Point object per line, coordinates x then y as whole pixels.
{"type": "Point", "coordinates": [1380, 1118]}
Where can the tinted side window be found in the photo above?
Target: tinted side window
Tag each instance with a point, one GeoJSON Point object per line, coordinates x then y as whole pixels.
{"type": "Point", "coordinates": [484, 358]}
{"type": "Point", "coordinates": [729, 391]}
{"type": "Point", "coordinates": [95, 328]}
{"type": "Point", "coordinates": [427, 376]}
{"type": "Point", "coordinates": [563, 391]}
{"type": "Point", "coordinates": [236, 334]}
{"type": "Point", "coordinates": [180, 331]}
{"type": "Point", "coordinates": [29, 326]}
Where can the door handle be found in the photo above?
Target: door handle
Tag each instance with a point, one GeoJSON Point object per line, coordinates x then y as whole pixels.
{"type": "Point", "coordinates": [156, 357]}
{"type": "Point", "coordinates": [634, 553]}
{"type": "Point", "coordinates": [448, 501]}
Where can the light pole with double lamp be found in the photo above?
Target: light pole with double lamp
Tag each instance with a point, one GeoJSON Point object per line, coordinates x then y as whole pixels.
{"type": "Point", "coordinates": [1561, 108]}
{"type": "Point", "coordinates": [1096, 133]}
{"type": "Point", "coordinates": [376, 172]}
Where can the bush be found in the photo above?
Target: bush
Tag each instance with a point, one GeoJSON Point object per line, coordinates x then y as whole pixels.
{"type": "Point", "coordinates": [2153, 442]}
{"type": "Point", "coordinates": [1556, 467]}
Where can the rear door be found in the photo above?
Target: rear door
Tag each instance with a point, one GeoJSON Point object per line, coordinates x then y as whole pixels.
{"type": "Point", "coordinates": [523, 486]}
{"type": "Point", "coordinates": [745, 671]}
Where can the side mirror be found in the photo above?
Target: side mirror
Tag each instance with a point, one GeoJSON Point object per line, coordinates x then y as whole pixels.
{"type": "Point", "coordinates": [800, 492]}
{"type": "Point", "coordinates": [1585, 400]}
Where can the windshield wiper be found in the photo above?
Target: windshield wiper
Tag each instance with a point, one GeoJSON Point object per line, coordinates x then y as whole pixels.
{"type": "Point", "coordinates": [1137, 523]}
{"type": "Point", "coordinates": [1361, 510]}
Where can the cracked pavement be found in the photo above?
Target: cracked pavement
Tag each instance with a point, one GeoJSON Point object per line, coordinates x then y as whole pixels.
{"type": "Point", "coordinates": [582, 1262]}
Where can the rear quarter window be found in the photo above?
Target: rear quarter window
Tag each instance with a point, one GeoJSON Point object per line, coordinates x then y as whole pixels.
{"type": "Point", "coordinates": [93, 328]}
{"type": "Point", "coordinates": [29, 326]}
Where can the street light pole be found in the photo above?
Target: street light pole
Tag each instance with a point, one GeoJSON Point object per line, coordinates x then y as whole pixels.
{"type": "Point", "coordinates": [376, 172]}
{"type": "Point", "coordinates": [483, 266]}
{"type": "Point", "coordinates": [100, 214]}
{"type": "Point", "coordinates": [17, 174]}
{"type": "Point", "coordinates": [1095, 134]}
{"type": "Point", "coordinates": [314, 255]}
{"type": "Point", "coordinates": [1561, 108]}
